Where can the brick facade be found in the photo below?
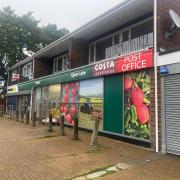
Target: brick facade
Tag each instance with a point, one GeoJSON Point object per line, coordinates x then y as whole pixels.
{"type": "Point", "coordinates": [152, 109]}
{"type": "Point", "coordinates": [164, 23]}
{"type": "Point", "coordinates": [43, 67]}
{"type": "Point", "coordinates": [78, 52]}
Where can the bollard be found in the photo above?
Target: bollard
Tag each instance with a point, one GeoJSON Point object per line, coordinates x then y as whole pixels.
{"type": "Point", "coordinates": [62, 125]}
{"type": "Point", "coordinates": [75, 130]}
{"type": "Point", "coordinates": [50, 123]}
{"type": "Point", "coordinates": [95, 133]}
{"type": "Point", "coordinates": [27, 117]}
{"type": "Point", "coordinates": [34, 119]}
{"type": "Point", "coordinates": [22, 117]}
{"type": "Point", "coordinates": [17, 115]}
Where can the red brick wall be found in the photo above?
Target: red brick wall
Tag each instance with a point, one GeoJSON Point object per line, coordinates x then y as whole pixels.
{"type": "Point", "coordinates": [78, 52]}
{"type": "Point", "coordinates": [152, 111]}
{"type": "Point", "coordinates": [164, 23]}
{"type": "Point", "coordinates": [43, 67]}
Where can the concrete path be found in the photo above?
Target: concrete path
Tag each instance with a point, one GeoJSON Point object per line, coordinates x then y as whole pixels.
{"type": "Point", "coordinates": [34, 153]}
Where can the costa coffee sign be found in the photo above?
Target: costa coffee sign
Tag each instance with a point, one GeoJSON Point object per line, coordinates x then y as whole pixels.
{"type": "Point", "coordinates": [132, 62]}
{"type": "Point", "coordinates": [103, 68]}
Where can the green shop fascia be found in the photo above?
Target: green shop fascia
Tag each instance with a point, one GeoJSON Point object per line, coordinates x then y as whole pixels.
{"type": "Point", "coordinates": [125, 92]}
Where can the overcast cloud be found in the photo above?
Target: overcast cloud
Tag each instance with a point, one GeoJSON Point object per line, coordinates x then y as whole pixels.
{"type": "Point", "coordinates": [65, 13]}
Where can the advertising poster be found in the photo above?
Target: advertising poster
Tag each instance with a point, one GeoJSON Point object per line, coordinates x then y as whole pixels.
{"type": "Point", "coordinates": [90, 98]}
{"type": "Point", "coordinates": [137, 102]}
{"type": "Point", "coordinates": [69, 101]}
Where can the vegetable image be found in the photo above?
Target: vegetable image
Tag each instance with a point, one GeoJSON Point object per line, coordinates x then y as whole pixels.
{"type": "Point", "coordinates": [128, 83]}
{"type": "Point", "coordinates": [69, 101]}
{"type": "Point", "coordinates": [137, 96]}
{"type": "Point", "coordinates": [142, 113]}
{"type": "Point", "coordinates": [137, 102]}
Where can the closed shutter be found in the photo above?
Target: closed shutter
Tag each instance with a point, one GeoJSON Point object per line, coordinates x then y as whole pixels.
{"type": "Point", "coordinates": [172, 114]}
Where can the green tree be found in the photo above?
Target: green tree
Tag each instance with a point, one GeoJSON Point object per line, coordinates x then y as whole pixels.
{"type": "Point", "coordinates": [20, 34]}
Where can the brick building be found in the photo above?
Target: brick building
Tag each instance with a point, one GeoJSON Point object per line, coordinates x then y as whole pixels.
{"type": "Point", "coordinates": [105, 65]}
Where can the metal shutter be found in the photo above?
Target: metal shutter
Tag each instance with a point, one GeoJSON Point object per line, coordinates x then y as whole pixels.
{"type": "Point", "coordinates": [172, 113]}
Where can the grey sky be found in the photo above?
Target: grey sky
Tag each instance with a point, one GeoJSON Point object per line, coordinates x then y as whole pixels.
{"type": "Point", "coordinates": [65, 13]}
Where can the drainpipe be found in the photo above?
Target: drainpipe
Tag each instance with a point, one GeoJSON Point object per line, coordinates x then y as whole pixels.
{"type": "Point", "coordinates": [155, 75]}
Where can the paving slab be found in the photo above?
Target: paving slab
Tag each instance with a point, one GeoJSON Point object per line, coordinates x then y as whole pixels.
{"type": "Point", "coordinates": [35, 153]}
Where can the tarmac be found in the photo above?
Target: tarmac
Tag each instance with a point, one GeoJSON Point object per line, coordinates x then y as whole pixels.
{"type": "Point", "coordinates": [34, 153]}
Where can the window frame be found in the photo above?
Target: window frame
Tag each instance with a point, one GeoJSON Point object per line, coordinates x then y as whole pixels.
{"type": "Point", "coordinates": [112, 35]}
{"type": "Point", "coordinates": [64, 59]}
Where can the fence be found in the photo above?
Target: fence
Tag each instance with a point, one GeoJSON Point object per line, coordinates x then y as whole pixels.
{"type": "Point", "coordinates": [7, 111]}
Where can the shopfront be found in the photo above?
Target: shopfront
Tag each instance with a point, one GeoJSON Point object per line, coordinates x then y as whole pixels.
{"type": "Point", "coordinates": [118, 88]}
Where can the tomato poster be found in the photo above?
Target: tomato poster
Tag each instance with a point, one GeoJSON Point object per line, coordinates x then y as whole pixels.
{"type": "Point", "coordinates": [137, 102]}
{"type": "Point", "coordinates": [69, 101]}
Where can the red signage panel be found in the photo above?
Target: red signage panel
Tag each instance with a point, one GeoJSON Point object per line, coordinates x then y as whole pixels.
{"type": "Point", "coordinates": [15, 77]}
{"type": "Point", "coordinates": [131, 62]}
{"type": "Point", "coordinates": [135, 61]}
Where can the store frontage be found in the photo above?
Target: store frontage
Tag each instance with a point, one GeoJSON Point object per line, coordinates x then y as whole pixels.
{"type": "Point", "coordinates": [119, 89]}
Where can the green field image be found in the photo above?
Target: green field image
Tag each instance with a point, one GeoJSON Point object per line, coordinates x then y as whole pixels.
{"type": "Point", "coordinates": [85, 117]}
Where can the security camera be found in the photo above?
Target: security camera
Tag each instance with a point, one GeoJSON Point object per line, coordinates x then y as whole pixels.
{"type": "Point", "coordinates": [175, 24]}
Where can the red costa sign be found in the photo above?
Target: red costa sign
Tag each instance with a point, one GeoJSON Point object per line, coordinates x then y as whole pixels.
{"type": "Point", "coordinates": [15, 77]}
{"type": "Point", "coordinates": [132, 62]}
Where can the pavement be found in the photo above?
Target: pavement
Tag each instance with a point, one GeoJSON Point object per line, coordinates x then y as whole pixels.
{"type": "Point", "coordinates": [34, 153]}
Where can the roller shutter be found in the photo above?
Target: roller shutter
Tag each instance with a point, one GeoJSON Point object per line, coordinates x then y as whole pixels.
{"type": "Point", "coordinates": [172, 114]}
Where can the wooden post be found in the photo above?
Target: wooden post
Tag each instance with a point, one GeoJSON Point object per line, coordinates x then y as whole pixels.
{"type": "Point", "coordinates": [95, 133]}
{"type": "Point", "coordinates": [75, 129]}
{"type": "Point", "coordinates": [34, 119]}
{"type": "Point", "coordinates": [22, 117]}
{"type": "Point", "coordinates": [33, 112]}
{"type": "Point", "coordinates": [97, 116]}
{"type": "Point", "coordinates": [17, 115]}
{"type": "Point", "coordinates": [62, 125]}
{"type": "Point", "coordinates": [27, 117]}
{"type": "Point", "coordinates": [50, 123]}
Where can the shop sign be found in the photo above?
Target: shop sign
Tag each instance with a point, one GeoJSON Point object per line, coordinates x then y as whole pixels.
{"type": "Point", "coordinates": [104, 68]}
{"type": "Point", "coordinates": [78, 74]}
{"type": "Point", "coordinates": [132, 62]}
{"type": "Point", "coordinates": [15, 77]}
{"type": "Point", "coordinates": [164, 69]}
{"type": "Point", "coordinates": [12, 89]}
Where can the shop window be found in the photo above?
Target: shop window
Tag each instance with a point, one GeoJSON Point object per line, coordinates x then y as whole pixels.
{"type": "Point", "coordinates": [60, 63]}
{"type": "Point", "coordinates": [54, 92]}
